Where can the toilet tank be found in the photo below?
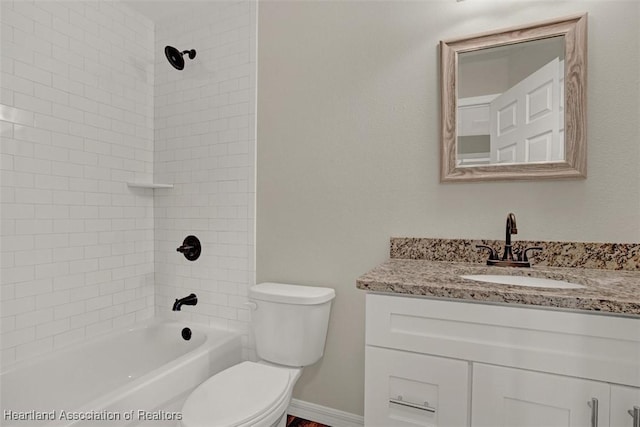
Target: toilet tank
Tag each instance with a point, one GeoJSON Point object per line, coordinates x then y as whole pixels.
{"type": "Point", "coordinates": [290, 322]}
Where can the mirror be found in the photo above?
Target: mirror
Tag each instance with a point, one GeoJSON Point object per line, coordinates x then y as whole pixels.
{"type": "Point", "coordinates": [514, 103]}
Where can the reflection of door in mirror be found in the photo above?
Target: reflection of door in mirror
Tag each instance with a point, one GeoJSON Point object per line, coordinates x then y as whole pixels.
{"type": "Point", "coordinates": [510, 104]}
{"type": "Point", "coordinates": [526, 124]}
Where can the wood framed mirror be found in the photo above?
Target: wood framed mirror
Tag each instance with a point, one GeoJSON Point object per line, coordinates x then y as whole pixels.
{"type": "Point", "coordinates": [514, 103]}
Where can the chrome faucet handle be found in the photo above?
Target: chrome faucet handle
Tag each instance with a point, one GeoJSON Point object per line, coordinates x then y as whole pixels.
{"type": "Point", "coordinates": [533, 248]}
{"type": "Point", "coordinates": [493, 254]}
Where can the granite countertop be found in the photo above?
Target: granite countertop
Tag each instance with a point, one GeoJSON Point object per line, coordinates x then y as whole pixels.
{"type": "Point", "coordinates": [607, 291]}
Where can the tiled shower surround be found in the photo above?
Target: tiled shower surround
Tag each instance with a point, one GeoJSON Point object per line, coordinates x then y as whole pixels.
{"type": "Point", "coordinates": [205, 146]}
{"type": "Point", "coordinates": [77, 111]}
{"type": "Point", "coordinates": [90, 103]}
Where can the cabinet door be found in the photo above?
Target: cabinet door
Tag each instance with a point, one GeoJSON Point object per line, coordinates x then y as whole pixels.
{"type": "Point", "coordinates": [516, 398]}
{"type": "Point", "coordinates": [410, 389]}
{"type": "Point", "coordinates": [624, 399]}
{"type": "Point", "coordinates": [473, 120]}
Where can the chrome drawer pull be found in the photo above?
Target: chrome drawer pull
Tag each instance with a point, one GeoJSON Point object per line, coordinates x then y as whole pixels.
{"type": "Point", "coordinates": [424, 407]}
{"type": "Point", "coordinates": [593, 404]}
{"type": "Point", "coordinates": [635, 413]}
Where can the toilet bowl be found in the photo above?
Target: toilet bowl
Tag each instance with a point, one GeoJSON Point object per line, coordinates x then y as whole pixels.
{"type": "Point", "coordinates": [290, 324]}
{"type": "Point", "coordinates": [247, 394]}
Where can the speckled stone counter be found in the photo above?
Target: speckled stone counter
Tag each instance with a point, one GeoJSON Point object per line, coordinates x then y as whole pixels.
{"type": "Point", "coordinates": [614, 290]}
{"type": "Point", "coordinates": [609, 256]}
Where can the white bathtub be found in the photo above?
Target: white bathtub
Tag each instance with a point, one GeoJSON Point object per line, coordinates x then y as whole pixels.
{"type": "Point", "coordinates": [113, 377]}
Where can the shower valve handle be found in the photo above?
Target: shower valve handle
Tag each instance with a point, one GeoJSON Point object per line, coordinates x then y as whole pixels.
{"type": "Point", "coordinates": [190, 248]}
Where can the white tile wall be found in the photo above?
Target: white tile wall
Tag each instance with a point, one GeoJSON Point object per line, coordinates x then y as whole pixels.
{"type": "Point", "coordinates": [205, 146]}
{"type": "Point", "coordinates": [77, 123]}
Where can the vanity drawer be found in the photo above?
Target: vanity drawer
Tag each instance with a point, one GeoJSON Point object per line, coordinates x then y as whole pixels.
{"type": "Point", "coordinates": [604, 348]}
{"type": "Point", "coordinates": [409, 389]}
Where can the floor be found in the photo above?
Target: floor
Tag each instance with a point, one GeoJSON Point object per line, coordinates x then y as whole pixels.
{"type": "Point", "coordinates": [299, 422]}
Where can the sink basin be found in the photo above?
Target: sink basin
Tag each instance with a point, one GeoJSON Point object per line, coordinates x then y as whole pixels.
{"type": "Point", "coordinates": [536, 282]}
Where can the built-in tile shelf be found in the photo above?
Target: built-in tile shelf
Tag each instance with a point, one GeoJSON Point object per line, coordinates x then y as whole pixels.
{"type": "Point", "coordinates": [148, 185]}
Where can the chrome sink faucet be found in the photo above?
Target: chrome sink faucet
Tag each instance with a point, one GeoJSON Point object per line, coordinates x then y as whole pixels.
{"type": "Point", "coordinates": [508, 260]}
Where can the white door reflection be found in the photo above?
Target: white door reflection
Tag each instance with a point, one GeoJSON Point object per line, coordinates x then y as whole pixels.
{"type": "Point", "coordinates": [516, 111]}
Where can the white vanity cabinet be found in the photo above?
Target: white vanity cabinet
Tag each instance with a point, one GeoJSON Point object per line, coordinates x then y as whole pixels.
{"type": "Point", "coordinates": [625, 405]}
{"type": "Point", "coordinates": [497, 365]}
{"type": "Point", "coordinates": [519, 398]}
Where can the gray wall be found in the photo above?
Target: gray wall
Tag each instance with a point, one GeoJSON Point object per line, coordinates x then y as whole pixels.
{"type": "Point", "coordinates": [348, 147]}
{"type": "Point", "coordinates": [493, 71]}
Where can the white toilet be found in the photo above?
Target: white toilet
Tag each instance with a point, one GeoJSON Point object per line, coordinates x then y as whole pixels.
{"type": "Point", "coordinates": [290, 324]}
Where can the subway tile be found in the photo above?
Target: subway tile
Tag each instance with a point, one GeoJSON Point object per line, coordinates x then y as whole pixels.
{"type": "Point", "coordinates": [32, 103]}
{"type": "Point", "coordinates": [16, 115]}
{"type": "Point", "coordinates": [17, 306]}
{"type": "Point", "coordinates": [68, 282]}
{"type": "Point", "coordinates": [33, 257]}
{"type": "Point", "coordinates": [84, 293]}
{"type": "Point", "coordinates": [17, 20]}
{"type": "Point", "coordinates": [65, 27]}
{"type": "Point", "coordinates": [51, 328]}
{"type": "Point", "coordinates": [17, 337]}
{"type": "Point", "coordinates": [66, 338]}
{"type": "Point", "coordinates": [98, 302]}
{"type": "Point", "coordinates": [62, 168]}
{"type": "Point", "coordinates": [17, 211]}
{"type": "Point", "coordinates": [51, 270]}
{"type": "Point", "coordinates": [17, 53]}
{"type": "Point", "coordinates": [57, 39]}
{"type": "Point", "coordinates": [30, 72]}
{"type": "Point", "coordinates": [82, 130]}
{"type": "Point", "coordinates": [51, 64]}
{"type": "Point", "coordinates": [83, 319]}
{"type": "Point", "coordinates": [73, 198]}
{"type": "Point", "coordinates": [83, 266]}
{"type": "Point", "coordinates": [111, 312]}
{"type": "Point", "coordinates": [51, 240]}
{"type": "Point", "coordinates": [73, 87]}
{"type": "Point", "coordinates": [66, 311]}
{"type": "Point", "coordinates": [49, 122]}
{"type": "Point", "coordinates": [67, 254]}
{"type": "Point", "coordinates": [6, 130]}
{"type": "Point", "coordinates": [83, 239]}
{"type": "Point", "coordinates": [7, 324]}
{"type": "Point", "coordinates": [31, 134]}
{"type": "Point", "coordinates": [32, 318]}
{"type": "Point", "coordinates": [109, 108]}
{"type": "Point", "coordinates": [52, 299]}
{"type": "Point", "coordinates": [52, 183]}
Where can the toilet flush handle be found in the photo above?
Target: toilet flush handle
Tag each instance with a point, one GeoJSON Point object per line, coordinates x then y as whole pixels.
{"type": "Point", "coordinates": [251, 305]}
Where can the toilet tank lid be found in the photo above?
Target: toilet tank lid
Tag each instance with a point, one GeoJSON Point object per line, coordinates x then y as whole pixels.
{"type": "Point", "coordinates": [291, 294]}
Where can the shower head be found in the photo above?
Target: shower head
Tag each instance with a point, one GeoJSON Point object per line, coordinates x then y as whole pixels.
{"type": "Point", "coordinates": [176, 58]}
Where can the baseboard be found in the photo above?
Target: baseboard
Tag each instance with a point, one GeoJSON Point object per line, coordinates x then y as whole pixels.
{"type": "Point", "coordinates": [322, 414]}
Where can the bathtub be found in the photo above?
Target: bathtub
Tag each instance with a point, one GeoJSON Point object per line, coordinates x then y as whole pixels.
{"type": "Point", "coordinates": [123, 378]}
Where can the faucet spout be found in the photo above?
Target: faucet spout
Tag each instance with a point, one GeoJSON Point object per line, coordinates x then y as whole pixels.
{"type": "Point", "coordinates": [190, 299]}
{"type": "Point", "coordinates": [508, 259]}
{"type": "Point", "coordinates": [510, 229]}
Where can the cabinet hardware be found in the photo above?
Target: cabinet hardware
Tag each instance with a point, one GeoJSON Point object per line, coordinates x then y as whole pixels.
{"type": "Point", "coordinates": [423, 407]}
{"type": "Point", "coordinates": [593, 404]}
{"type": "Point", "coordinates": [635, 413]}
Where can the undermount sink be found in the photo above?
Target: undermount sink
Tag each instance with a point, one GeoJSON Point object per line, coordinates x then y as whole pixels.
{"type": "Point", "coordinates": [536, 282]}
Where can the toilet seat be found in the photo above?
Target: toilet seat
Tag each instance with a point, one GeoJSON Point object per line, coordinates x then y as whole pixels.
{"type": "Point", "coordinates": [241, 395]}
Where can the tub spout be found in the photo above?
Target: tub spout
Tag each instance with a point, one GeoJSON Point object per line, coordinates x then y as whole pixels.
{"type": "Point", "coordinates": [191, 299]}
